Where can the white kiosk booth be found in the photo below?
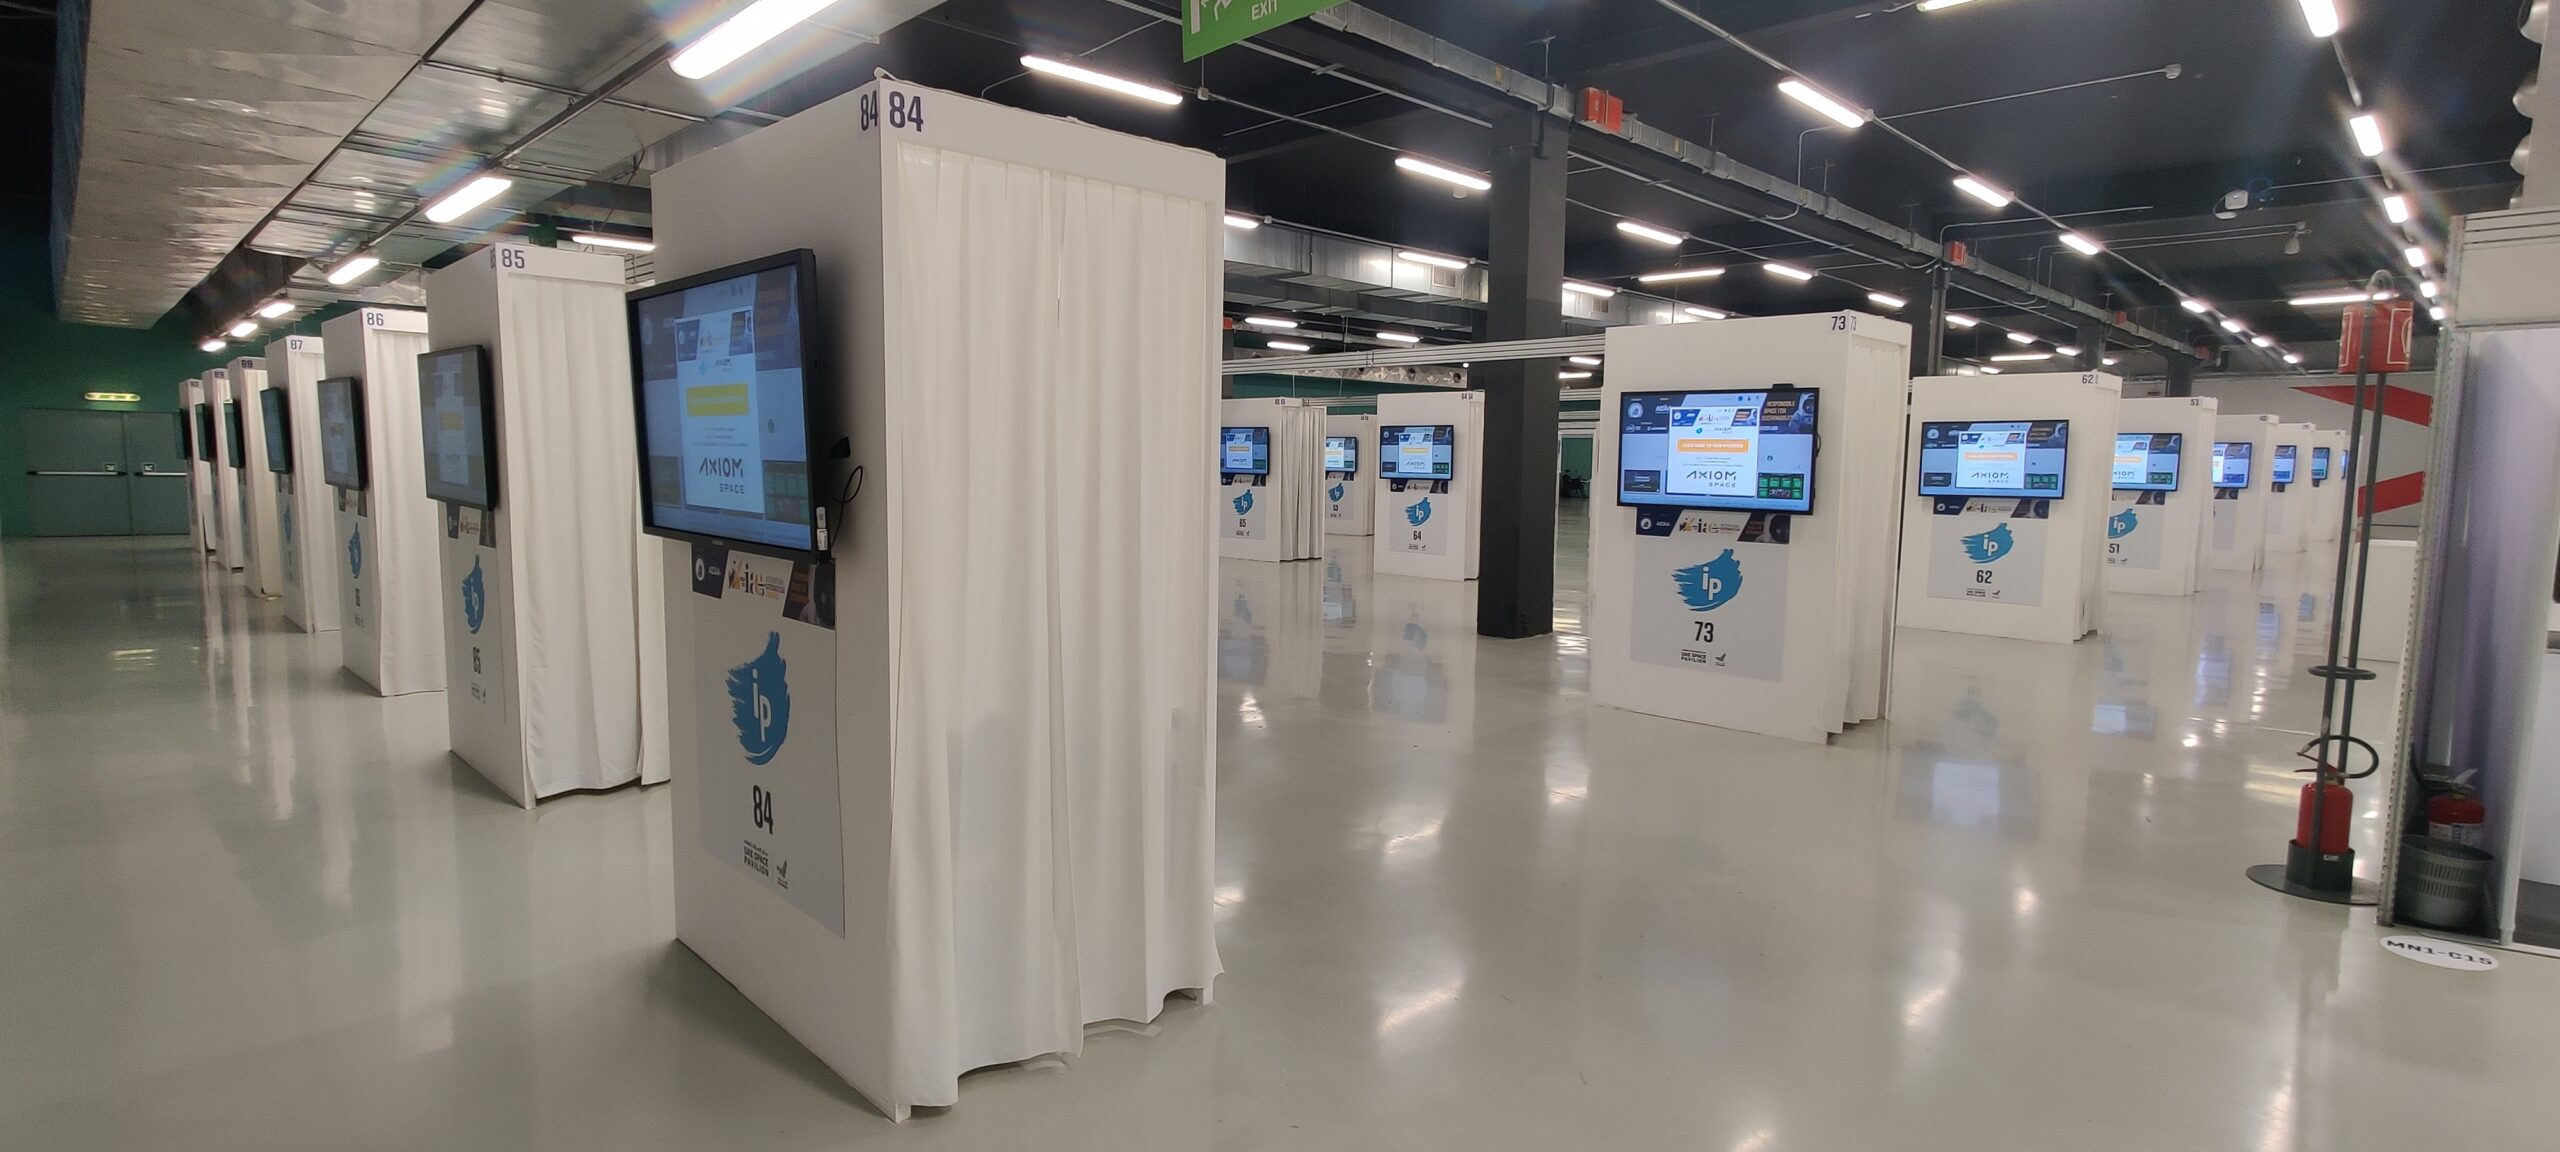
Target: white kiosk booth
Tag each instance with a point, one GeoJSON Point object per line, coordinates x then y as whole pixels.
{"type": "Point", "coordinates": [1743, 575]}
{"type": "Point", "coordinates": [2291, 503]}
{"type": "Point", "coordinates": [1430, 451]}
{"type": "Point", "coordinates": [264, 570]}
{"type": "Point", "coordinates": [392, 634]}
{"type": "Point", "coordinates": [945, 740]}
{"type": "Point", "coordinates": [204, 521]}
{"type": "Point", "coordinates": [2236, 538]}
{"type": "Point", "coordinates": [2330, 483]}
{"type": "Point", "coordinates": [525, 399]}
{"type": "Point", "coordinates": [1270, 479]}
{"type": "Point", "coordinates": [2163, 491]}
{"type": "Point", "coordinates": [2006, 527]}
{"type": "Point", "coordinates": [306, 514]}
{"type": "Point", "coordinates": [1350, 474]}
{"type": "Point", "coordinates": [222, 402]}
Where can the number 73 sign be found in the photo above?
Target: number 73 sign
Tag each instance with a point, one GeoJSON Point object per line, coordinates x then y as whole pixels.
{"type": "Point", "coordinates": [1208, 25]}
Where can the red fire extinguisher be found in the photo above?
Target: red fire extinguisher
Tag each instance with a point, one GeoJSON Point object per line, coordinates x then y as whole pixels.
{"type": "Point", "coordinates": [2329, 813]}
{"type": "Point", "coordinates": [2457, 816]}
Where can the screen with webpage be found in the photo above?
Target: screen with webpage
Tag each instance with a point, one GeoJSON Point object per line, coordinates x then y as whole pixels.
{"type": "Point", "coordinates": [274, 418]}
{"type": "Point", "coordinates": [725, 422]}
{"type": "Point", "coordinates": [2000, 459]}
{"type": "Point", "coordinates": [342, 432]}
{"type": "Point", "coordinates": [453, 422]}
{"type": "Point", "coordinates": [2281, 471]}
{"type": "Point", "coordinates": [1341, 453]}
{"type": "Point", "coordinates": [1744, 451]}
{"type": "Point", "coordinates": [1244, 451]}
{"type": "Point", "coordinates": [2231, 463]}
{"type": "Point", "coordinates": [1417, 451]}
{"type": "Point", "coordinates": [2319, 465]}
{"type": "Point", "coordinates": [2148, 461]}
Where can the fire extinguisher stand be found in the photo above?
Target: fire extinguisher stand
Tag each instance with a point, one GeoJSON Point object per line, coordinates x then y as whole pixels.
{"type": "Point", "coordinates": [2319, 864]}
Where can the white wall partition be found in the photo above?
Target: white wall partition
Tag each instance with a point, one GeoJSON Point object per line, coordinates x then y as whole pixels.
{"type": "Point", "coordinates": [2028, 568]}
{"type": "Point", "coordinates": [222, 396]}
{"type": "Point", "coordinates": [264, 567]}
{"type": "Point", "coordinates": [2155, 539]}
{"type": "Point", "coordinates": [995, 793]}
{"type": "Point", "coordinates": [204, 524]}
{"type": "Point", "coordinates": [1350, 509]}
{"type": "Point", "coordinates": [1277, 514]}
{"type": "Point", "coordinates": [540, 597]}
{"type": "Point", "coordinates": [1778, 623]}
{"type": "Point", "coordinates": [306, 510]}
{"type": "Point", "coordinates": [2236, 533]}
{"type": "Point", "coordinates": [2290, 503]}
{"type": "Point", "coordinates": [1429, 528]}
{"type": "Point", "coordinates": [392, 628]}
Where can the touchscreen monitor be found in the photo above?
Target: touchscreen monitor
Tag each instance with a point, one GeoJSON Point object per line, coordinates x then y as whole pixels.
{"type": "Point", "coordinates": [1244, 451]}
{"type": "Point", "coordinates": [728, 380]}
{"type": "Point", "coordinates": [204, 432]}
{"type": "Point", "coordinates": [458, 426]}
{"type": "Point", "coordinates": [2148, 461]}
{"type": "Point", "coordinates": [342, 438]}
{"type": "Point", "coordinates": [2319, 465]}
{"type": "Point", "coordinates": [2231, 463]}
{"type": "Point", "coordinates": [2281, 471]}
{"type": "Point", "coordinates": [1738, 450]}
{"type": "Point", "coordinates": [274, 418]}
{"type": "Point", "coordinates": [1417, 451]}
{"type": "Point", "coordinates": [1997, 459]}
{"type": "Point", "coordinates": [1341, 453]}
{"type": "Point", "coordinates": [235, 438]}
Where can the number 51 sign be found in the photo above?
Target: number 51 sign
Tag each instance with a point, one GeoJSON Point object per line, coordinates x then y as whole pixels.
{"type": "Point", "coordinates": [1208, 25]}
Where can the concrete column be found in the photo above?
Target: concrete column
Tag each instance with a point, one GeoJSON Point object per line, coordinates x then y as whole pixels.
{"type": "Point", "coordinates": [2182, 374]}
{"type": "Point", "coordinates": [2092, 342]}
{"type": "Point", "coordinates": [1516, 591]}
{"type": "Point", "coordinates": [1929, 326]}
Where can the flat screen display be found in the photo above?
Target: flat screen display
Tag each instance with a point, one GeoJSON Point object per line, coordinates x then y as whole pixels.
{"type": "Point", "coordinates": [234, 437]}
{"type": "Point", "coordinates": [1417, 451]}
{"type": "Point", "coordinates": [2231, 463]}
{"type": "Point", "coordinates": [1743, 451]}
{"type": "Point", "coordinates": [2148, 461]}
{"type": "Point", "coordinates": [2281, 472]}
{"type": "Point", "coordinates": [1244, 451]}
{"type": "Point", "coordinates": [2319, 465]}
{"type": "Point", "coordinates": [204, 433]}
{"type": "Point", "coordinates": [342, 458]}
{"type": "Point", "coordinates": [1341, 453]}
{"type": "Point", "coordinates": [1999, 459]}
{"type": "Point", "coordinates": [274, 417]}
{"type": "Point", "coordinates": [457, 425]}
{"type": "Point", "coordinates": [724, 367]}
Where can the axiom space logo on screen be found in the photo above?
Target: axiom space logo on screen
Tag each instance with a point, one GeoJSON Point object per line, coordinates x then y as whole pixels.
{"type": "Point", "coordinates": [760, 702]}
{"type": "Point", "coordinates": [1709, 586]}
{"type": "Point", "coordinates": [1986, 547]}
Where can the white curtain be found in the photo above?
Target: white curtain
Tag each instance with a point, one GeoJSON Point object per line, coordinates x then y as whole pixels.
{"type": "Point", "coordinates": [1050, 501]}
{"type": "Point", "coordinates": [1297, 437]}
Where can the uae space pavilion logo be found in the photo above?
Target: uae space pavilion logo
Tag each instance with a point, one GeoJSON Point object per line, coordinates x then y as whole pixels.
{"type": "Point", "coordinates": [2122, 524]}
{"type": "Point", "coordinates": [1418, 513]}
{"type": "Point", "coordinates": [760, 702]}
{"type": "Point", "coordinates": [1709, 586]}
{"type": "Point", "coordinates": [1243, 502]}
{"type": "Point", "coordinates": [475, 597]}
{"type": "Point", "coordinates": [1985, 547]}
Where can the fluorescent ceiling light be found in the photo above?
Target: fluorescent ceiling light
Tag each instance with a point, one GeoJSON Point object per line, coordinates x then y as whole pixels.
{"type": "Point", "coordinates": [210, 346]}
{"type": "Point", "coordinates": [1988, 370]}
{"type": "Point", "coordinates": [2368, 130]}
{"type": "Point", "coordinates": [2416, 256]}
{"type": "Point", "coordinates": [1087, 76]}
{"type": "Point", "coordinates": [2020, 357]}
{"type": "Point", "coordinates": [2263, 341]}
{"type": "Point", "coordinates": [2110, 361]}
{"type": "Point", "coordinates": [1287, 346]}
{"type": "Point", "coordinates": [1789, 271]}
{"type": "Point", "coordinates": [2436, 313]}
{"type": "Point", "coordinates": [621, 243]}
{"type": "Point", "coordinates": [1649, 232]}
{"type": "Point", "coordinates": [276, 309]}
{"type": "Point", "coordinates": [1960, 320]}
{"type": "Point", "coordinates": [1270, 322]}
{"type": "Point", "coordinates": [1678, 274]}
{"type": "Point", "coordinates": [2322, 16]}
{"type": "Point", "coordinates": [2198, 307]}
{"type": "Point", "coordinates": [2427, 288]}
{"type": "Point", "coordinates": [1814, 98]}
{"type": "Point", "coordinates": [2327, 298]}
{"type": "Point", "coordinates": [1594, 291]}
{"type": "Point", "coordinates": [1585, 361]}
{"type": "Point", "coordinates": [2396, 206]}
{"type": "Point", "coordinates": [351, 269]}
{"type": "Point", "coordinates": [1242, 223]}
{"type": "Point", "coordinates": [1886, 299]}
{"type": "Point", "coordinates": [741, 34]}
{"type": "Point", "coordinates": [1940, 5]}
{"type": "Point", "coordinates": [1400, 337]}
{"type": "Point", "coordinates": [1458, 176]}
{"type": "Point", "coordinates": [2019, 338]}
{"type": "Point", "coordinates": [2234, 326]}
{"type": "Point", "coordinates": [243, 328]}
{"type": "Point", "coordinates": [1573, 375]}
{"type": "Point", "coordinates": [2082, 244]}
{"type": "Point", "coordinates": [1449, 262]}
{"type": "Point", "coordinates": [478, 191]}
{"type": "Point", "coordinates": [1983, 192]}
{"type": "Point", "coordinates": [2065, 350]}
{"type": "Point", "coordinates": [1705, 313]}
{"type": "Point", "coordinates": [2293, 357]}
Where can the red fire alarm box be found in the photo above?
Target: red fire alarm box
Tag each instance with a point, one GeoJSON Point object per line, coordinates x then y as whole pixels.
{"type": "Point", "coordinates": [2377, 337]}
{"type": "Point", "coordinates": [1603, 111]}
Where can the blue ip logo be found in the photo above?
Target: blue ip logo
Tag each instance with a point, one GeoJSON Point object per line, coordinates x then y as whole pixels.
{"type": "Point", "coordinates": [1709, 586]}
{"type": "Point", "coordinates": [1418, 513]}
{"type": "Point", "coordinates": [355, 552]}
{"type": "Point", "coordinates": [760, 702]}
{"type": "Point", "coordinates": [1243, 502]}
{"type": "Point", "coordinates": [475, 597]}
{"type": "Point", "coordinates": [1985, 547]}
{"type": "Point", "coordinates": [2122, 524]}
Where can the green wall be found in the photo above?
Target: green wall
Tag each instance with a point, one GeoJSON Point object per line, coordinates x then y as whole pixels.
{"type": "Point", "coordinates": [45, 363]}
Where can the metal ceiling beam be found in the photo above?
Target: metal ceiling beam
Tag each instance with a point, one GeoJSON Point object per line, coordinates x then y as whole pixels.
{"type": "Point", "coordinates": [1547, 349]}
{"type": "Point", "coordinates": [1280, 293]}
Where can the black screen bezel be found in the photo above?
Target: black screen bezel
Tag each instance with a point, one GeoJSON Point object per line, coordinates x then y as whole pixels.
{"type": "Point", "coordinates": [235, 435]}
{"type": "Point", "coordinates": [478, 356]}
{"type": "Point", "coordinates": [1383, 474]}
{"type": "Point", "coordinates": [276, 420]}
{"type": "Point", "coordinates": [364, 448]}
{"type": "Point", "coordinates": [2180, 456]}
{"type": "Point", "coordinates": [1921, 488]}
{"type": "Point", "coordinates": [1223, 470]}
{"type": "Point", "coordinates": [1354, 441]}
{"type": "Point", "coordinates": [1812, 482]}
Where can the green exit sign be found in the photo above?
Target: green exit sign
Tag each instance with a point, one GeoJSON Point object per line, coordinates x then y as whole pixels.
{"type": "Point", "coordinates": [1208, 25]}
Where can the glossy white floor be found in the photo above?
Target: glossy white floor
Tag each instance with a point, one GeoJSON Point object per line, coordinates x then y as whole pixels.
{"type": "Point", "coordinates": [245, 906]}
